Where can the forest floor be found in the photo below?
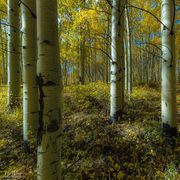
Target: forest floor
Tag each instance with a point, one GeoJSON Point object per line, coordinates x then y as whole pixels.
{"type": "Point", "coordinates": [133, 148]}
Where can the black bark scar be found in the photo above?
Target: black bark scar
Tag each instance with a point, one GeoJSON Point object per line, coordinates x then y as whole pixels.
{"type": "Point", "coordinates": [39, 81]}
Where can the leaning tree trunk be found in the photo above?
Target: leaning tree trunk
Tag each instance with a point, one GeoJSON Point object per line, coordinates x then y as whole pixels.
{"type": "Point", "coordinates": [13, 53]}
{"type": "Point", "coordinates": [117, 57]}
{"type": "Point", "coordinates": [168, 100]}
{"type": "Point", "coordinates": [50, 89]}
{"type": "Point", "coordinates": [29, 60]}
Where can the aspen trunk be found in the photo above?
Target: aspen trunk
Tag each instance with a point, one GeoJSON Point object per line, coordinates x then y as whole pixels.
{"type": "Point", "coordinates": [126, 66]}
{"type": "Point", "coordinates": [4, 77]}
{"type": "Point", "coordinates": [106, 58]}
{"type": "Point", "coordinates": [29, 60]}
{"type": "Point", "coordinates": [50, 89]}
{"type": "Point", "coordinates": [82, 61]}
{"type": "Point", "coordinates": [13, 53]}
{"type": "Point", "coordinates": [107, 50]}
{"type": "Point", "coordinates": [117, 56]}
{"type": "Point", "coordinates": [168, 100]}
{"type": "Point", "coordinates": [129, 55]}
{"type": "Point", "coordinates": [94, 62]}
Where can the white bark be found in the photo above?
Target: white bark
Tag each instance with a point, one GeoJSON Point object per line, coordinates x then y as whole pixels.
{"type": "Point", "coordinates": [50, 88]}
{"type": "Point", "coordinates": [13, 53]}
{"type": "Point", "coordinates": [117, 57]}
{"type": "Point", "coordinates": [129, 55]}
{"type": "Point", "coordinates": [126, 66]}
{"type": "Point", "coordinates": [29, 60]}
{"type": "Point", "coordinates": [168, 101]}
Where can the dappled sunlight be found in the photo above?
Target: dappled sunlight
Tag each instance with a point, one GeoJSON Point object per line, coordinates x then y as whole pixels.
{"type": "Point", "coordinates": [89, 90]}
{"type": "Point", "coordinates": [128, 148]}
{"type": "Point", "coordinates": [93, 148]}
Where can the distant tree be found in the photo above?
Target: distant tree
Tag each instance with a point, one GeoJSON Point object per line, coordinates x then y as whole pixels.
{"type": "Point", "coordinates": [82, 58]}
{"type": "Point", "coordinates": [3, 55]}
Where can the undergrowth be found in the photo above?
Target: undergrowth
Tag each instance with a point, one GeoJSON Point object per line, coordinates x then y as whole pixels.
{"type": "Point", "coordinates": [133, 148]}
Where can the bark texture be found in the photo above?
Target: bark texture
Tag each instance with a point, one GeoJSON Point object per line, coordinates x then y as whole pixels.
{"type": "Point", "coordinates": [50, 87]}
{"type": "Point", "coordinates": [29, 60]}
{"type": "Point", "coordinates": [168, 100]}
{"type": "Point", "coordinates": [129, 55]}
{"type": "Point", "coordinates": [13, 53]}
{"type": "Point", "coordinates": [117, 58]}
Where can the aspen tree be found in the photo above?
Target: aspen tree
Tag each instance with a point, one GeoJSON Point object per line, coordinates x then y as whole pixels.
{"type": "Point", "coordinates": [126, 66]}
{"type": "Point", "coordinates": [29, 60]}
{"type": "Point", "coordinates": [106, 72]}
{"type": "Point", "coordinates": [95, 60]}
{"type": "Point", "coordinates": [50, 87]}
{"type": "Point", "coordinates": [117, 58]}
{"type": "Point", "coordinates": [4, 78]}
{"type": "Point", "coordinates": [168, 99]}
{"type": "Point", "coordinates": [82, 54]}
{"type": "Point", "coordinates": [13, 53]}
{"type": "Point", "coordinates": [129, 55]}
{"type": "Point", "coordinates": [82, 60]}
{"type": "Point", "coordinates": [107, 50]}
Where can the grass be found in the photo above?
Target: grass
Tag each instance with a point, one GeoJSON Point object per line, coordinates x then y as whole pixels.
{"type": "Point", "coordinates": [133, 148]}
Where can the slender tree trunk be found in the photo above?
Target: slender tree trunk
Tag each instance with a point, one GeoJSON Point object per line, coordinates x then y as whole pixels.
{"type": "Point", "coordinates": [117, 56]}
{"type": "Point", "coordinates": [4, 76]}
{"type": "Point", "coordinates": [168, 101]}
{"type": "Point", "coordinates": [147, 69]}
{"type": "Point", "coordinates": [29, 60]}
{"type": "Point", "coordinates": [13, 54]}
{"type": "Point", "coordinates": [153, 67]}
{"type": "Point", "coordinates": [122, 63]}
{"type": "Point", "coordinates": [106, 69]}
{"type": "Point", "coordinates": [82, 60]}
{"type": "Point", "coordinates": [65, 73]}
{"type": "Point", "coordinates": [91, 61]}
{"type": "Point", "coordinates": [141, 64]}
{"type": "Point", "coordinates": [126, 65]}
{"type": "Point", "coordinates": [129, 55]}
{"type": "Point", "coordinates": [5, 47]}
{"type": "Point", "coordinates": [106, 59]}
{"type": "Point", "coordinates": [94, 61]}
{"type": "Point", "coordinates": [50, 89]}
{"type": "Point", "coordinates": [107, 50]}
